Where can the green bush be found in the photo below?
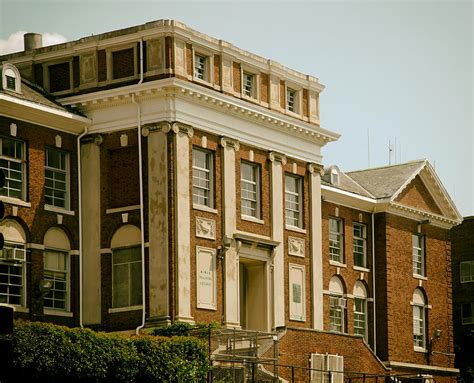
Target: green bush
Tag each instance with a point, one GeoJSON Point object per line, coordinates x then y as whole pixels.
{"type": "Point", "coordinates": [45, 352]}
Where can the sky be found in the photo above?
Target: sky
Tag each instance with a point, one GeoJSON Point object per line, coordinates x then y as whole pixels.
{"type": "Point", "coordinates": [398, 74]}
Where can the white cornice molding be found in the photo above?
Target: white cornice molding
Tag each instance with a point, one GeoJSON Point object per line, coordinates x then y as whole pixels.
{"type": "Point", "coordinates": [174, 87]}
{"type": "Point", "coordinates": [424, 367]}
{"type": "Point", "coordinates": [417, 215]}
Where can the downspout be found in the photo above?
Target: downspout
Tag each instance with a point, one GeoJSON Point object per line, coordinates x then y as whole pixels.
{"type": "Point", "coordinates": [140, 170]}
{"type": "Point", "coordinates": [79, 186]}
{"type": "Point", "coordinates": [373, 280]}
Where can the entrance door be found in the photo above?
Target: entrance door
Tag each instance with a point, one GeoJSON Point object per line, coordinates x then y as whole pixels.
{"type": "Point", "coordinates": [253, 294]}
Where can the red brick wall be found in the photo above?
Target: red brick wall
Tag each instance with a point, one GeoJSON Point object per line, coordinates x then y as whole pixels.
{"type": "Point", "coordinates": [282, 95]}
{"type": "Point", "coordinates": [123, 63]}
{"type": "Point", "coordinates": [59, 77]}
{"type": "Point", "coordinates": [189, 59]}
{"type": "Point", "coordinates": [102, 65]}
{"type": "Point", "coordinates": [417, 195]}
{"type": "Point", "coordinates": [217, 70]}
{"type": "Point", "coordinates": [237, 77]}
{"type": "Point", "coordinates": [264, 87]}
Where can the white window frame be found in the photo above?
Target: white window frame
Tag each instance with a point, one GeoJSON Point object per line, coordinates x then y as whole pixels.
{"type": "Point", "coordinates": [335, 177]}
{"type": "Point", "coordinates": [255, 188]}
{"type": "Point", "coordinates": [114, 307]}
{"type": "Point", "coordinates": [8, 70]}
{"type": "Point", "coordinates": [255, 89]}
{"type": "Point", "coordinates": [468, 277]}
{"type": "Point", "coordinates": [337, 239]}
{"type": "Point", "coordinates": [335, 307]}
{"type": "Point", "coordinates": [301, 317]}
{"type": "Point", "coordinates": [19, 264]}
{"type": "Point", "coordinates": [360, 317]}
{"type": "Point", "coordinates": [467, 320]}
{"type": "Point", "coordinates": [110, 63]}
{"type": "Point", "coordinates": [418, 250]}
{"type": "Point", "coordinates": [46, 76]}
{"type": "Point", "coordinates": [21, 161]}
{"type": "Point", "coordinates": [65, 171]}
{"type": "Point", "coordinates": [419, 319]}
{"type": "Point", "coordinates": [297, 100]}
{"type": "Point", "coordinates": [210, 172]}
{"type": "Point", "coordinates": [208, 76]}
{"type": "Point", "coordinates": [67, 278]}
{"type": "Point", "coordinates": [359, 242]}
{"type": "Point", "coordinates": [299, 201]}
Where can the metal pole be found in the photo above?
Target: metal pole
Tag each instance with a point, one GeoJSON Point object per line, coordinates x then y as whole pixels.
{"type": "Point", "coordinates": [292, 374]}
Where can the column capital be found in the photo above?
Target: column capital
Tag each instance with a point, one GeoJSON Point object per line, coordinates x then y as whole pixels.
{"type": "Point", "coordinates": [279, 157]}
{"type": "Point", "coordinates": [230, 142]}
{"type": "Point", "coordinates": [316, 168]}
{"type": "Point", "coordinates": [92, 139]}
{"type": "Point", "coordinates": [163, 126]}
{"type": "Point", "coordinates": [182, 129]}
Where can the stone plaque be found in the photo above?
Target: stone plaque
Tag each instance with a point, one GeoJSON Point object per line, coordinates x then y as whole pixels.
{"type": "Point", "coordinates": [296, 246]}
{"type": "Point", "coordinates": [206, 278]}
{"type": "Point", "coordinates": [205, 228]}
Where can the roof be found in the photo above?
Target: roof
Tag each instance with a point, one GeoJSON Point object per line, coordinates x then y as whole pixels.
{"type": "Point", "coordinates": [35, 94]}
{"type": "Point", "coordinates": [386, 181]}
{"type": "Point", "coordinates": [347, 184]}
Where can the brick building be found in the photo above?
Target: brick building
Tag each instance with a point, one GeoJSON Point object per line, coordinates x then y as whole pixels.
{"type": "Point", "coordinates": [462, 238]}
{"type": "Point", "coordinates": [201, 196]}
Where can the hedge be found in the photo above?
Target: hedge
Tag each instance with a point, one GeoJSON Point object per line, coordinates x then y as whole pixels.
{"type": "Point", "coordinates": [43, 352]}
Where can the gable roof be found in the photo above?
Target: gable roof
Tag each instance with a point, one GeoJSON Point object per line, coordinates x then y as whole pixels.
{"type": "Point", "coordinates": [387, 181]}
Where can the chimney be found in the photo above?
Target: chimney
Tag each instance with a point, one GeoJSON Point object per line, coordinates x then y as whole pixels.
{"type": "Point", "coordinates": [33, 41]}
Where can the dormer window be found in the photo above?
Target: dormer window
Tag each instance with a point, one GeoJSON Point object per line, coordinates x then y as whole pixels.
{"type": "Point", "coordinates": [11, 79]}
{"type": "Point", "coordinates": [334, 177]}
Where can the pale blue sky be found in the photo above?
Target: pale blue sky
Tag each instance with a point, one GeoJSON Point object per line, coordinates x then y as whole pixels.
{"type": "Point", "coordinates": [399, 70]}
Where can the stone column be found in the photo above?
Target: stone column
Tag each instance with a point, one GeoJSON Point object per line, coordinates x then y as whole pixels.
{"type": "Point", "coordinates": [158, 270]}
{"type": "Point", "coordinates": [316, 171]}
{"type": "Point", "coordinates": [182, 227]}
{"type": "Point", "coordinates": [231, 262]}
{"type": "Point", "coordinates": [278, 226]}
{"type": "Point", "coordinates": [91, 268]}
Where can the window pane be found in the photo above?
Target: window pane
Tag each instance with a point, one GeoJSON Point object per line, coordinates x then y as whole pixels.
{"type": "Point", "coordinates": [127, 277]}
{"type": "Point", "coordinates": [121, 285]}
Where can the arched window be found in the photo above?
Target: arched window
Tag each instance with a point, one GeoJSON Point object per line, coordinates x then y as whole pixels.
{"type": "Point", "coordinates": [12, 264]}
{"type": "Point", "coordinates": [57, 269]}
{"type": "Point", "coordinates": [337, 305]}
{"type": "Point", "coordinates": [126, 267]}
{"type": "Point", "coordinates": [419, 319]}
{"type": "Point", "coordinates": [360, 309]}
{"type": "Point", "coordinates": [11, 79]}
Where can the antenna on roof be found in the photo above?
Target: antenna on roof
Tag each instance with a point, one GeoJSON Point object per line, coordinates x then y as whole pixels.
{"type": "Point", "coordinates": [368, 148]}
{"type": "Point", "coordinates": [390, 149]}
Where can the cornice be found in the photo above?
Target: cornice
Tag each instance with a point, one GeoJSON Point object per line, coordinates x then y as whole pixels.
{"type": "Point", "coordinates": [173, 87]}
{"type": "Point", "coordinates": [417, 214]}
{"type": "Point", "coordinates": [277, 157]}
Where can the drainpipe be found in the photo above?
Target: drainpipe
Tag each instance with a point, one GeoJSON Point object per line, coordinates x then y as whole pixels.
{"type": "Point", "coordinates": [79, 186]}
{"type": "Point", "coordinates": [373, 280]}
{"type": "Point", "coordinates": [140, 170]}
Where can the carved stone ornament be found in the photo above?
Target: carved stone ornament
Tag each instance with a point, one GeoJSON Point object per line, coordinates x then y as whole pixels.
{"type": "Point", "coordinates": [183, 129]}
{"type": "Point", "coordinates": [231, 143]}
{"type": "Point", "coordinates": [275, 156]}
{"type": "Point", "coordinates": [315, 168]}
{"type": "Point", "coordinates": [296, 246]}
{"type": "Point", "coordinates": [205, 228]}
{"type": "Point", "coordinates": [163, 126]}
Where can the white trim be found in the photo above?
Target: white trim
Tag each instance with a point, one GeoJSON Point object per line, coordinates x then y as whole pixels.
{"type": "Point", "coordinates": [105, 251]}
{"type": "Point", "coordinates": [252, 219]}
{"type": "Point", "coordinates": [21, 309]}
{"type": "Point", "coordinates": [421, 367]}
{"type": "Point", "coordinates": [35, 246]}
{"type": "Point", "coordinates": [303, 292]}
{"type": "Point", "coordinates": [416, 214]}
{"type": "Point", "coordinates": [122, 209]}
{"type": "Point", "coordinates": [296, 229]}
{"type": "Point", "coordinates": [15, 201]}
{"type": "Point", "coordinates": [59, 210]}
{"type": "Point", "coordinates": [205, 208]}
{"type": "Point", "coordinates": [58, 313]}
{"type": "Point", "coordinates": [337, 264]}
{"type": "Point", "coordinates": [358, 268]}
{"type": "Point", "coordinates": [124, 309]}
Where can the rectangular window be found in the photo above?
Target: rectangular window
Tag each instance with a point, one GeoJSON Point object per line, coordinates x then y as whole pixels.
{"type": "Point", "coordinates": [203, 178]}
{"type": "Point", "coordinates": [335, 240]}
{"type": "Point", "coordinates": [126, 277]}
{"type": "Point", "coordinates": [56, 178]}
{"type": "Point", "coordinates": [11, 82]}
{"type": "Point", "coordinates": [250, 189]}
{"type": "Point", "coordinates": [123, 63]}
{"type": "Point", "coordinates": [360, 317]}
{"type": "Point", "coordinates": [359, 244]}
{"type": "Point", "coordinates": [248, 86]}
{"type": "Point", "coordinates": [291, 100]}
{"type": "Point", "coordinates": [294, 201]}
{"type": "Point", "coordinates": [56, 270]}
{"type": "Point", "coordinates": [418, 255]}
{"type": "Point", "coordinates": [200, 67]}
{"type": "Point", "coordinates": [419, 326]}
{"type": "Point", "coordinates": [59, 77]}
{"type": "Point", "coordinates": [467, 313]}
{"type": "Point", "coordinates": [297, 293]}
{"type": "Point", "coordinates": [12, 162]}
{"type": "Point", "coordinates": [467, 271]}
{"type": "Point", "coordinates": [12, 278]}
{"type": "Point", "coordinates": [336, 313]}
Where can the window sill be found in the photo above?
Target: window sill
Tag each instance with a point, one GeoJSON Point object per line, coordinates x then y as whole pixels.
{"type": "Point", "coordinates": [122, 209]}
{"type": "Point", "coordinates": [467, 281]}
{"type": "Point", "coordinates": [15, 201]}
{"type": "Point", "coordinates": [296, 319]}
{"type": "Point", "coordinates": [360, 268]}
{"type": "Point", "coordinates": [416, 276]}
{"type": "Point", "coordinates": [419, 349]}
{"type": "Point", "coordinates": [296, 229]}
{"type": "Point", "coordinates": [337, 264]}
{"type": "Point", "coordinates": [58, 210]}
{"type": "Point", "coordinates": [58, 313]}
{"type": "Point", "coordinates": [203, 82]}
{"type": "Point", "coordinates": [124, 309]}
{"type": "Point", "coordinates": [20, 309]}
{"type": "Point", "coordinates": [293, 114]}
{"type": "Point", "coordinates": [252, 219]}
{"type": "Point", "coordinates": [204, 208]}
